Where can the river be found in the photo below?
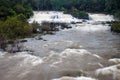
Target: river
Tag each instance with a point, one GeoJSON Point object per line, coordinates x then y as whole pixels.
{"type": "Point", "coordinates": [80, 50]}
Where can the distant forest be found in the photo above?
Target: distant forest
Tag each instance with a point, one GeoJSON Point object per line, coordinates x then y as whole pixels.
{"type": "Point", "coordinates": [108, 6]}
{"type": "Point", "coordinates": [88, 5]}
{"type": "Point", "coordinates": [12, 7]}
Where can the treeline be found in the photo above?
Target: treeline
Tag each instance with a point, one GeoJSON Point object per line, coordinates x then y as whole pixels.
{"type": "Point", "coordinates": [108, 6]}
{"type": "Point", "coordinates": [88, 5]}
{"type": "Point", "coordinates": [15, 7]}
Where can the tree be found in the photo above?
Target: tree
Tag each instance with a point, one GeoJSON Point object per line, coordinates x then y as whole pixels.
{"type": "Point", "coordinates": [15, 7]}
{"type": "Point", "coordinates": [15, 27]}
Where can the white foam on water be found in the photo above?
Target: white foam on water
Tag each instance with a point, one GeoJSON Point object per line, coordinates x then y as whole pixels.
{"type": "Point", "coordinates": [75, 78]}
{"type": "Point", "coordinates": [52, 16]}
{"type": "Point", "coordinates": [111, 71]}
{"type": "Point", "coordinates": [54, 65]}
{"type": "Point", "coordinates": [101, 17]}
{"type": "Point", "coordinates": [82, 35]}
{"type": "Point", "coordinates": [28, 59]}
{"type": "Point", "coordinates": [2, 54]}
{"type": "Point", "coordinates": [92, 28]}
{"type": "Point", "coordinates": [73, 59]}
{"type": "Point", "coordinates": [107, 70]}
{"type": "Point", "coordinates": [115, 60]}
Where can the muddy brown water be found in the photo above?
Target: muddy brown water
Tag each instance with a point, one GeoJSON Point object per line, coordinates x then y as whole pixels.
{"type": "Point", "coordinates": [67, 53]}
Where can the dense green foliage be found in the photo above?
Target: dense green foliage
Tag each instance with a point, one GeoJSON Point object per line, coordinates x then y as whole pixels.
{"type": "Point", "coordinates": [13, 20]}
{"type": "Point", "coordinates": [91, 5]}
{"type": "Point", "coordinates": [115, 26]}
{"type": "Point", "coordinates": [79, 14]}
{"type": "Point", "coordinates": [8, 7]}
{"type": "Point", "coordinates": [15, 27]}
{"type": "Point", "coordinates": [76, 13]}
{"type": "Point", "coordinates": [108, 6]}
{"type": "Point", "coordinates": [14, 7]}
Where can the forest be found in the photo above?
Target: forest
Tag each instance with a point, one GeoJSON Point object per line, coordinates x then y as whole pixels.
{"type": "Point", "coordinates": [106, 6]}
{"type": "Point", "coordinates": [25, 7]}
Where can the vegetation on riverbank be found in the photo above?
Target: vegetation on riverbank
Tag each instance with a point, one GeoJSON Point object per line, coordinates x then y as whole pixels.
{"type": "Point", "coordinates": [48, 27]}
{"type": "Point", "coordinates": [13, 20]}
{"type": "Point", "coordinates": [115, 26]}
{"type": "Point", "coordinates": [76, 13]}
{"type": "Point", "coordinates": [13, 28]}
{"type": "Point", "coordinates": [79, 14]}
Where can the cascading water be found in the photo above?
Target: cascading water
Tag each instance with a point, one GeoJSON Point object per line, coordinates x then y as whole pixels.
{"type": "Point", "coordinates": [71, 52]}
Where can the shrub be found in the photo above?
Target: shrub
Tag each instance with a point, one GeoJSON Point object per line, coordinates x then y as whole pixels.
{"type": "Point", "coordinates": [35, 26]}
{"type": "Point", "coordinates": [115, 26]}
{"type": "Point", "coordinates": [117, 14]}
{"type": "Point", "coordinates": [64, 10]}
{"type": "Point", "coordinates": [13, 28]}
{"type": "Point", "coordinates": [79, 14]}
{"type": "Point", "coordinates": [16, 27]}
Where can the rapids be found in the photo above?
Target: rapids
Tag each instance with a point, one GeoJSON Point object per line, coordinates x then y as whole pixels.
{"type": "Point", "coordinates": [83, 50]}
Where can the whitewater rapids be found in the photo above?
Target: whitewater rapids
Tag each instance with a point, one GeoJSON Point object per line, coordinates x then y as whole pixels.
{"type": "Point", "coordinates": [79, 53]}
